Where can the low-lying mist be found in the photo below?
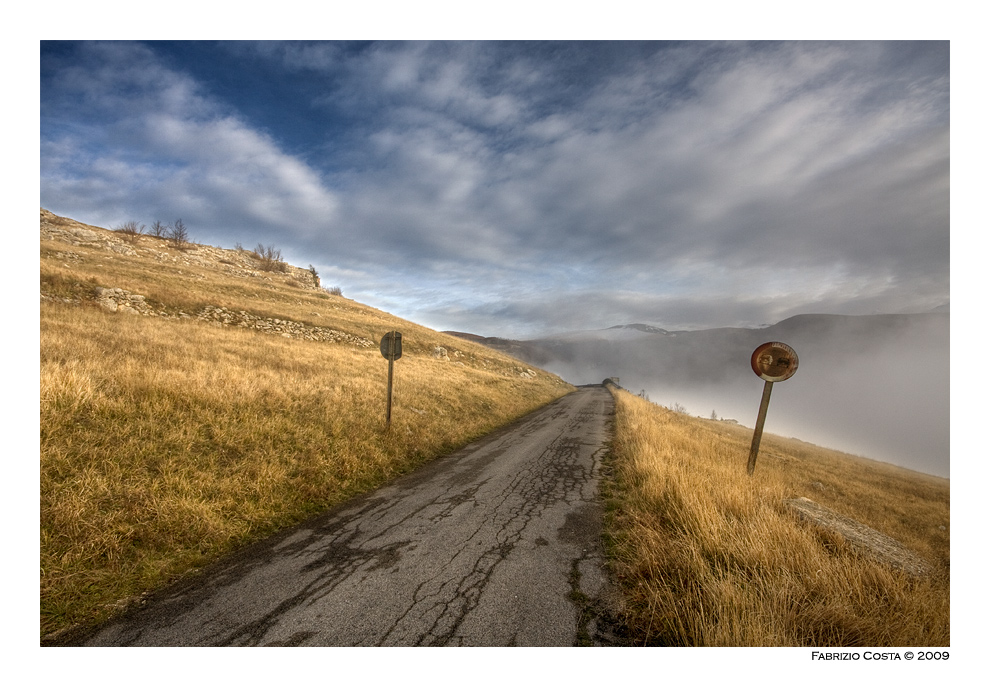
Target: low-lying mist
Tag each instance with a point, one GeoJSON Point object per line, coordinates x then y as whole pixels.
{"type": "Point", "coordinates": [875, 386]}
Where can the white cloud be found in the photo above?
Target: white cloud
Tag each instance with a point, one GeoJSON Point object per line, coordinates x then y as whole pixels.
{"type": "Point", "coordinates": [165, 145]}
{"type": "Point", "coordinates": [698, 182]}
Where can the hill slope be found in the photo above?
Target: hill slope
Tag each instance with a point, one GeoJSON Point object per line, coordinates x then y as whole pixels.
{"type": "Point", "coordinates": [193, 401]}
{"type": "Point", "coordinates": [709, 556]}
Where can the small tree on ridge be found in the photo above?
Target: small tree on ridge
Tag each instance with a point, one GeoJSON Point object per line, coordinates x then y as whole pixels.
{"type": "Point", "coordinates": [178, 234]}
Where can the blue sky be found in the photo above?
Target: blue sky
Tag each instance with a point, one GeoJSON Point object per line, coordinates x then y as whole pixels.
{"type": "Point", "coordinates": [525, 188]}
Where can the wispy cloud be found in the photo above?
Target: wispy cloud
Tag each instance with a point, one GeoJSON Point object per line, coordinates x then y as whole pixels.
{"type": "Point", "coordinates": [150, 142]}
{"type": "Point", "coordinates": [510, 186]}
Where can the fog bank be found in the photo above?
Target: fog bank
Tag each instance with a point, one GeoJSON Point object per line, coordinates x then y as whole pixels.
{"type": "Point", "coordinates": [875, 386]}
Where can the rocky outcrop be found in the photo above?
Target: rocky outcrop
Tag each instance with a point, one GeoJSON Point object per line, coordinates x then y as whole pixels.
{"type": "Point", "coordinates": [118, 300]}
{"type": "Point", "coordinates": [441, 353]}
{"type": "Point", "coordinates": [122, 301]}
{"type": "Point", "coordinates": [224, 317]}
{"type": "Point", "coordinates": [865, 539]}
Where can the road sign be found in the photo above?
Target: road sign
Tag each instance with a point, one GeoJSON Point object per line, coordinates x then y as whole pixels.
{"type": "Point", "coordinates": [391, 346]}
{"type": "Point", "coordinates": [773, 362]}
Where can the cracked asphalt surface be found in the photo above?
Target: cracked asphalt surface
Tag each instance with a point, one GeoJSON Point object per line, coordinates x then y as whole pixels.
{"type": "Point", "coordinates": [497, 544]}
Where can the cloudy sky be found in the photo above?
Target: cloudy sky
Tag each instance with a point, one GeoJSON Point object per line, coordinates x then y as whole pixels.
{"type": "Point", "coordinates": [521, 189]}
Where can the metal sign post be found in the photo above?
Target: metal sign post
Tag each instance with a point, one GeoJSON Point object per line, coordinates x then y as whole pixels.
{"type": "Point", "coordinates": [773, 362]}
{"type": "Point", "coordinates": [391, 348]}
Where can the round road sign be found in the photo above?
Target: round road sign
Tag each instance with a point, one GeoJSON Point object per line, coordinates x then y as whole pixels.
{"type": "Point", "coordinates": [391, 346]}
{"type": "Point", "coordinates": [774, 361]}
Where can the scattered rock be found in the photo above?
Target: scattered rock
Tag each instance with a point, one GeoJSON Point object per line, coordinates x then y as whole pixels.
{"type": "Point", "coordinates": [84, 235]}
{"type": "Point", "coordinates": [119, 300]}
{"type": "Point", "coordinates": [287, 328]}
{"type": "Point", "coordinates": [440, 353]}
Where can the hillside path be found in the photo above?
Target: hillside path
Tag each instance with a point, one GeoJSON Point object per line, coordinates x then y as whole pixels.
{"type": "Point", "coordinates": [497, 544]}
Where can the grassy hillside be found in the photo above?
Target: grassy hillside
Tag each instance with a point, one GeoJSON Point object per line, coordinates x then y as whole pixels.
{"type": "Point", "coordinates": [216, 396]}
{"type": "Point", "coordinates": [708, 556]}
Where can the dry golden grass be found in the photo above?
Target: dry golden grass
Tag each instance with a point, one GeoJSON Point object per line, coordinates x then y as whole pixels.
{"type": "Point", "coordinates": [168, 442]}
{"type": "Point", "coordinates": [708, 556]}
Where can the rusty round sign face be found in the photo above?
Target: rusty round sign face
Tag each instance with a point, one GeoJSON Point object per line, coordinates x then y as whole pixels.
{"type": "Point", "coordinates": [774, 361]}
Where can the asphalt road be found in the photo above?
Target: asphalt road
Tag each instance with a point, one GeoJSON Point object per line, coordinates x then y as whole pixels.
{"type": "Point", "coordinates": [497, 544]}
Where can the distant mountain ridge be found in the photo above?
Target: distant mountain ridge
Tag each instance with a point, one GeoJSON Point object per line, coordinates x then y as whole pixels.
{"type": "Point", "coordinates": [796, 324]}
{"type": "Point", "coordinates": [811, 324]}
{"type": "Point", "coordinates": [647, 328]}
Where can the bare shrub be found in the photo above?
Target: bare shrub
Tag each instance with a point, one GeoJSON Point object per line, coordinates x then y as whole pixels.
{"type": "Point", "coordinates": [270, 258]}
{"type": "Point", "coordinates": [159, 230]}
{"type": "Point", "coordinates": [178, 234]}
{"type": "Point", "coordinates": [333, 290]}
{"type": "Point", "coordinates": [130, 228]}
